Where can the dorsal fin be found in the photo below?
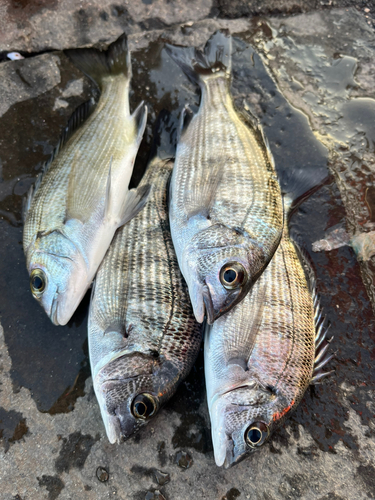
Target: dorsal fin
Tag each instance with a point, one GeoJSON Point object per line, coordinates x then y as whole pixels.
{"type": "Point", "coordinates": [251, 120]}
{"type": "Point", "coordinates": [78, 117]}
{"type": "Point", "coordinates": [322, 357]}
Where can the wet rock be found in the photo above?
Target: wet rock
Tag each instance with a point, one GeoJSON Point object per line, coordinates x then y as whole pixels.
{"type": "Point", "coordinates": [293, 486]}
{"type": "Point", "coordinates": [162, 455]}
{"type": "Point", "coordinates": [239, 8]}
{"type": "Point", "coordinates": [314, 59]}
{"type": "Point", "coordinates": [58, 24]}
{"type": "Point", "coordinates": [183, 459]}
{"type": "Point", "coordinates": [367, 473]}
{"type": "Point", "coordinates": [26, 79]}
{"type": "Point", "coordinates": [53, 484]}
{"type": "Point", "coordinates": [12, 427]}
{"type": "Point", "coordinates": [30, 106]}
{"type": "Point", "coordinates": [154, 495]}
{"type": "Point", "coordinates": [74, 451]}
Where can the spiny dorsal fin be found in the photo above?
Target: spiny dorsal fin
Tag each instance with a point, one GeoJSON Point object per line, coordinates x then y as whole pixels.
{"type": "Point", "coordinates": [322, 357]}
{"type": "Point", "coordinates": [306, 263]}
{"type": "Point", "coordinates": [78, 117]}
{"type": "Point", "coordinates": [251, 120]}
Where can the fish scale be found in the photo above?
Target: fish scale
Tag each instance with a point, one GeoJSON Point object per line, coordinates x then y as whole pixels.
{"type": "Point", "coordinates": [226, 204]}
{"type": "Point", "coordinates": [263, 354]}
{"type": "Point", "coordinates": [82, 195]}
{"type": "Point", "coordinates": [140, 320]}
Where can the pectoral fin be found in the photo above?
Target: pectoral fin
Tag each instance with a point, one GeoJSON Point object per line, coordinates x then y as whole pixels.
{"type": "Point", "coordinates": [134, 203]}
{"type": "Point", "coordinates": [199, 198]}
{"type": "Point", "coordinates": [140, 117]}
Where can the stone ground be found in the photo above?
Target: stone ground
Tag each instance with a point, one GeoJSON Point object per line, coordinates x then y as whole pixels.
{"type": "Point", "coordinates": [311, 81]}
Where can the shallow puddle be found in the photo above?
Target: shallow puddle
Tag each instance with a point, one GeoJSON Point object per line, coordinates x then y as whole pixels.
{"type": "Point", "coordinates": [52, 361]}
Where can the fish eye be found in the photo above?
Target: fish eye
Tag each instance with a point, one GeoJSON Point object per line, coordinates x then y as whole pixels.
{"type": "Point", "coordinates": [38, 282]}
{"type": "Point", "coordinates": [233, 275]}
{"type": "Point", "coordinates": [144, 406]}
{"type": "Point", "coordinates": [256, 434]}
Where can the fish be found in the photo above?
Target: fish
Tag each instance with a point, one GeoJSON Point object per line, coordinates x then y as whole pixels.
{"type": "Point", "coordinates": [226, 212]}
{"type": "Point", "coordinates": [81, 197]}
{"type": "Point", "coordinates": [143, 337]}
{"type": "Point", "coordinates": [262, 355]}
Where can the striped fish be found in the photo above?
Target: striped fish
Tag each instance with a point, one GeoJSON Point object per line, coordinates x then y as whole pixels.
{"type": "Point", "coordinates": [82, 196]}
{"type": "Point", "coordinates": [261, 356]}
{"type": "Point", "coordinates": [143, 337]}
{"type": "Point", "coordinates": [226, 209]}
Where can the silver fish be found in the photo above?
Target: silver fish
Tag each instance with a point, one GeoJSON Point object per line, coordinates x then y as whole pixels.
{"type": "Point", "coordinates": [81, 198]}
{"type": "Point", "coordinates": [225, 209]}
{"type": "Point", "coordinates": [143, 337]}
{"type": "Point", "coordinates": [261, 356]}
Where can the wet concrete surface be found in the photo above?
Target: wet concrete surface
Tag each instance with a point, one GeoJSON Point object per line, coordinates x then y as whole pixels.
{"type": "Point", "coordinates": [33, 26]}
{"type": "Point", "coordinates": [53, 440]}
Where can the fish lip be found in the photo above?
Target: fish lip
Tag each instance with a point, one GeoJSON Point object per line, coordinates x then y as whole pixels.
{"type": "Point", "coordinates": [208, 305]}
{"type": "Point", "coordinates": [236, 294]}
{"type": "Point", "coordinates": [54, 311]}
{"type": "Point", "coordinates": [119, 427]}
{"type": "Point", "coordinates": [230, 460]}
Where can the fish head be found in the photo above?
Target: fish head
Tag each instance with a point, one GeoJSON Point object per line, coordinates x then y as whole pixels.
{"type": "Point", "coordinates": [130, 390]}
{"type": "Point", "coordinates": [57, 276]}
{"type": "Point", "coordinates": [242, 421]}
{"type": "Point", "coordinates": [219, 271]}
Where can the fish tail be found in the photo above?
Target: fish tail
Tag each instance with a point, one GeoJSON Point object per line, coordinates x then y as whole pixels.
{"type": "Point", "coordinates": [199, 65]}
{"type": "Point", "coordinates": [97, 64]}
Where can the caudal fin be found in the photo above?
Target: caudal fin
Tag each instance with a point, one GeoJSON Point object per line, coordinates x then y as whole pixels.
{"type": "Point", "coordinates": [198, 65]}
{"type": "Point", "coordinates": [97, 64]}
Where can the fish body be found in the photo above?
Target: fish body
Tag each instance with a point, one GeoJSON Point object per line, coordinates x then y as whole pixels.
{"type": "Point", "coordinates": [82, 197]}
{"type": "Point", "coordinates": [225, 207]}
{"type": "Point", "coordinates": [261, 356]}
{"type": "Point", "coordinates": [143, 337]}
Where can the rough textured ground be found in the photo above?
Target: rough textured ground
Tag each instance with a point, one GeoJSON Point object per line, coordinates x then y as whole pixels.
{"type": "Point", "coordinates": [310, 80]}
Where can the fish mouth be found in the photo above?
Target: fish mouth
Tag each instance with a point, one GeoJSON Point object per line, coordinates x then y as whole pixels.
{"type": "Point", "coordinates": [54, 311]}
{"type": "Point", "coordinates": [211, 314]}
{"type": "Point", "coordinates": [115, 398]}
{"type": "Point", "coordinates": [118, 420]}
{"type": "Point", "coordinates": [231, 459]}
{"type": "Point", "coordinates": [208, 305]}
